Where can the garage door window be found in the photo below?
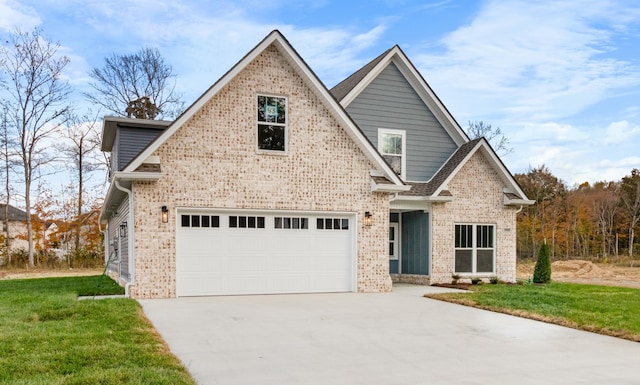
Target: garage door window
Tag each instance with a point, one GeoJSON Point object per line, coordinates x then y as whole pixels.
{"type": "Point", "coordinates": [246, 222]}
{"type": "Point", "coordinates": [291, 223]}
{"type": "Point", "coordinates": [199, 220]}
{"type": "Point", "coordinates": [332, 224]}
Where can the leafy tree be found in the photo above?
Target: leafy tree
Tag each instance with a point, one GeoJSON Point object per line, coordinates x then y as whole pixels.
{"type": "Point", "coordinates": [542, 271]}
{"type": "Point", "coordinates": [35, 97]}
{"type": "Point", "coordinates": [546, 214]}
{"type": "Point", "coordinates": [630, 198]}
{"type": "Point", "coordinates": [494, 136]}
{"type": "Point", "coordinates": [139, 85]}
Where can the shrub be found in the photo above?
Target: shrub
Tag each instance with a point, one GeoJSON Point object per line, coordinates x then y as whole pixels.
{"type": "Point", "coordinates": [494, 280]}
{"type": "Point", "coordinates": [476, 281]}
{"type": "Point", "coordinates": [542, 271]}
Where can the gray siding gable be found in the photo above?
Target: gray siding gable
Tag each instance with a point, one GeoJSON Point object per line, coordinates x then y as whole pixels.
{"type": "Point", "coordinates": [131, 141]}
{"type": "Point", "coordinates": [389, 101]}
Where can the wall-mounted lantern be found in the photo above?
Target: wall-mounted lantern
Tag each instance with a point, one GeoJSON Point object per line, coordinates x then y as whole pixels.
{"type": "Point", "coordinates": [123, 229]}
{"type": "Point", "coordinates": [165, 214]}
{"type": "Point", "coordinates": [368, 218]}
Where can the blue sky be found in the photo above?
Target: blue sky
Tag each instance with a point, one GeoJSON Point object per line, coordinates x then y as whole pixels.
{"type": "Point", "coordinates": [560, 78]}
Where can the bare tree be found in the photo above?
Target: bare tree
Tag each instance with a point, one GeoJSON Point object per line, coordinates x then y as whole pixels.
{"type": "Point", "coordinates": [139, 85]}
{"type": "Point", "coordinates": [4, 144]}
{"type": "Point", "coordinates": [494, 136]}
{"type": "Point", "coordinates": [82, 139]}
{"type": "Point", "coordinates": [36, 100]}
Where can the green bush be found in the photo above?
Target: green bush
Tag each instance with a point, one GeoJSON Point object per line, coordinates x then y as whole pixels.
{"type": "Point", "coordinates": [542, 271]}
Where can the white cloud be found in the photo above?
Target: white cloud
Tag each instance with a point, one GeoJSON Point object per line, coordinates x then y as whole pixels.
{"type": "Point", "coordinates": [15, 15]}
{"type": "Point", "coordinates": [540, 60]}
{"type": "Point", "coordinates": [620, 132]}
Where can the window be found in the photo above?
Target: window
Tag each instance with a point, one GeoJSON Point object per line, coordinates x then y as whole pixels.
{"type": "Point", "coordinates": [245, 222]}
{"type": "Point", "coordinates": [332, 224]}
{"type": "Point", "coordinates": [199, 220]}
{"type": "Point", "coordinates": [392, 147]}
{"type": "Point", "coordinates": [291, 223]}
{"type": "Point", "coordinates": [474, 248]}
{"type": "Point", "coordinates": [272, 123]}
{"type": "Point", "coordinates": [393, 241]}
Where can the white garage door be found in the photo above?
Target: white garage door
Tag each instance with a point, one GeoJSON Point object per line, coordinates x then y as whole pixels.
{"type": "Point", "coordinates": [243, 252]}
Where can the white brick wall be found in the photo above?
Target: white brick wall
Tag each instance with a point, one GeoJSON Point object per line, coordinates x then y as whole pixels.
{"type": "Point", "coordinates": [478, 198]}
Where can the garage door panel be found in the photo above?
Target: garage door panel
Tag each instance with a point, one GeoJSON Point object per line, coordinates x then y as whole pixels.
{"type": "Point", "coordinates": [225, 260]}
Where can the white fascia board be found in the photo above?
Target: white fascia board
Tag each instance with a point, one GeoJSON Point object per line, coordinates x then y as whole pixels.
{"type": "Point", "coordinates": [390, 188]}
{"type": "Point", "coordinates": [518, 202]}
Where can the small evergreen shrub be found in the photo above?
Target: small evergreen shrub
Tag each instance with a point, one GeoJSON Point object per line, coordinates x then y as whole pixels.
{"type": "Point", "coordinates": [476, 281]}
{"type": "Point", "coordinates": [494, 280]}
{"type": "Point", "coordinates": [542, 271]}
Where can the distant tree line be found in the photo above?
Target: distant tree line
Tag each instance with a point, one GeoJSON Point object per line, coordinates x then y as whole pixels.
{"type": "Point", "coordinates": [586, 221]}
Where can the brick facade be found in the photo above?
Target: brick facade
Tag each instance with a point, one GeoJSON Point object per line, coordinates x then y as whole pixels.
{"type": "Point", "coordinates": [211, 161]}
{"type": "Point", "coordinates": [478, 198]}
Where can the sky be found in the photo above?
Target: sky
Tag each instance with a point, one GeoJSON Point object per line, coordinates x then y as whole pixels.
{"type": "Point", "coordinates": [560, 78]}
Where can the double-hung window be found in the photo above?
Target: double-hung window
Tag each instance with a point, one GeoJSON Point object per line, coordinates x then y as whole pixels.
{"type": "Point", "coordinates": [474, 248]}
{"type": "Point", "coordinates": [392, 145]}
{"type": "Point", "coordinates": [272, 123]}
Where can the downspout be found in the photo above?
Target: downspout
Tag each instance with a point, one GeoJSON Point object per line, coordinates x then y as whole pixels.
{"type": "Point", "coordinates": [520, 209]}
{"type": "Point", "coordinates": [132, 271]}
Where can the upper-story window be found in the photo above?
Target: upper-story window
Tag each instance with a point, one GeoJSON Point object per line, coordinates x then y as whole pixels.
{"type": "Point", "coordinates": [272, 123]}
{"type": "Point", "coordinates": [392, 145]}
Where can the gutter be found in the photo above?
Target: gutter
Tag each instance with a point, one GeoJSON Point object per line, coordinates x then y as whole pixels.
{"type": "Point", "coordinates": [132, 272]}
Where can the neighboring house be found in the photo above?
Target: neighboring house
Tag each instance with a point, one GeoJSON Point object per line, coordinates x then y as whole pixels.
{"type": "Point", "coordinates": [271, 183]}
{"type": "Point", "coordinates": [16, 224]}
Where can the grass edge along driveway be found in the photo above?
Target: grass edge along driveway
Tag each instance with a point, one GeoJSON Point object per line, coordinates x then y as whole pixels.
{"type": "Point", "coordinates": [49, 337]}
{"type": "Point", "coordinates": [609, 310]}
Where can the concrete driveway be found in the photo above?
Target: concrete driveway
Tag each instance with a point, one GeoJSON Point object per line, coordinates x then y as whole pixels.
{"type": "Point", "coordinates": [392, 338]}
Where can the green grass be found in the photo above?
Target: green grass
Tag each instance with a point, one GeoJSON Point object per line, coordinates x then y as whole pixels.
{"type": "Point", "coordinates": [603, 309]}
{"type": "Point", "coordinates": [49, 337]}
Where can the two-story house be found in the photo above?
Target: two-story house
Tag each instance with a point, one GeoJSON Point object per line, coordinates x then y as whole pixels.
{"type": "Point", "coordinates": [271, 183]}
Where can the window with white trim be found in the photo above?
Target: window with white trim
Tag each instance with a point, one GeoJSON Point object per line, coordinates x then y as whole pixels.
{"type": "Point", "coordinates": [392, 145]}
{"type": "Point", "coordinates": [272, 123]}
{"type": "Point", "coordinates": [393, 241]}
{"type": "Point", "coordinates": [474, 248]}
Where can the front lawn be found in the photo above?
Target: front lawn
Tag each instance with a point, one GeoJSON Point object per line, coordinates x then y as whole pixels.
{"type": "Point", "coordinates": [49, 337]}
{"type": "Point", "coordinates": [603, 309]}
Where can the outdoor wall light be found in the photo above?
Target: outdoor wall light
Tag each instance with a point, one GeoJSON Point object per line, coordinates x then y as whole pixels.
{"type": "Point", "coordinates": [165, 214]}
{"type": "Point", "coordinates": [368, 218]}
{"type": "Point", "coordinates": [123, 229]}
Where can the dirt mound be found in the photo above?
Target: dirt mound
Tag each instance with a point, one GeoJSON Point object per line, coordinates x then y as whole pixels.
{"type": "Point", "coordinates": [579, 269]}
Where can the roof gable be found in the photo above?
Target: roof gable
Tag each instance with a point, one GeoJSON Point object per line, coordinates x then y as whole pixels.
{"type": "Point", "coordinates": [277, 40]}
{"type": "Point", "coordinates": [437, 186]}
{"type": "Point", "coordinates": [347, 91]}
